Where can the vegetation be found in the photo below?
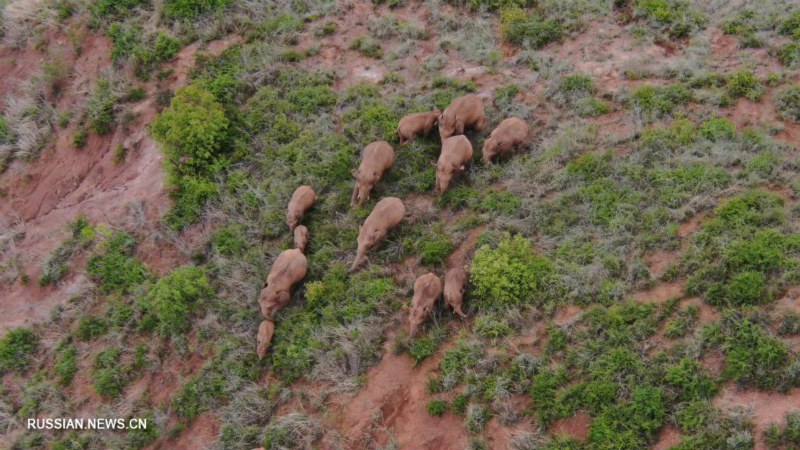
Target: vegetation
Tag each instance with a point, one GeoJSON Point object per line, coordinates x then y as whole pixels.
{"type": "Point", "coordinates": [16, 350]}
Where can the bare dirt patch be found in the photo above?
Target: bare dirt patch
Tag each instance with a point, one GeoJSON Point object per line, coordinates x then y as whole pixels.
{"type": "Point", "coordinates": [766, 407]}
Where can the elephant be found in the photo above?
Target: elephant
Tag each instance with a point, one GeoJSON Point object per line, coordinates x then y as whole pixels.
{"type": "Point", "coordinates": [456, 152]}
{"type": "Point", "coordinates": [302, 199]}
{"type": "Point", "coordinates": [387, 214]}
{"type": "Point", "coordinates": [417, 124]}
{"type": "Point", "coordinates": [301, 238]}
{"type": "Point", "coordinates": [378, 157]}
{"type": "Point", "coordinates": [454, 280]}
{"type": "Point", "coordinates": [463, 112]}
{"type": "Point", "coordinates": [509, 133]}
{"type": "Point", "coordinates": [265, 331]}
{"type": "Point", "coordinates": [288, 269]}
{"type": "Point", "coordinates": [427, 289]}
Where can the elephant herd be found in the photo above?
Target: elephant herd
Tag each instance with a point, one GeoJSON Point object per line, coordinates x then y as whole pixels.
{"type": "Point", "coordinates": [291, 266]}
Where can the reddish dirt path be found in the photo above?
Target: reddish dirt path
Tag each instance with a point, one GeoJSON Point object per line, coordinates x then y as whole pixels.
{"type": "Point", "coordinates": [393, 405]}
{"type": "Point", "coordinates": [767, 407]}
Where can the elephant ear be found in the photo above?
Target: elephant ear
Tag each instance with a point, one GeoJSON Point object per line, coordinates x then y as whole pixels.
{"type": "Point", "coordinates": [283, 297]}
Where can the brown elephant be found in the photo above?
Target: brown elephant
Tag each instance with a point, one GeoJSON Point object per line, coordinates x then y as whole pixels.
{"type": "Point", "coordinates": [378, 157]}
{"type": "Point", "coordinates": [387, 214]}
{"type": "Point", "coordinates": [456, 152]}
{"type": "Point", "coordinates": [417, 124]}
{"type": "Point", "coordinates": [454, 280]}
{"type": "Point", "coordinates": [289, 268]}
{"type": "Point", "coordinates": [427, 289]}
{"type": "Point", "coordinates": [265, 332]}
{"type": "Point", "coordinates": [509, 133]}
{"type": "Point", "coordinates": [302, 199]}
{"type": "Point", "coordinates": [301, 238]}
{"type": "Point", "coordinates": [463, 112]}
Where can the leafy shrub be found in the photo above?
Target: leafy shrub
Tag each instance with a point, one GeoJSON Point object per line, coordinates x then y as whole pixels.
{"type": "Point", "coordinates": [194, 131]}
{"type": "Point", "coordinates": [188, 9]}
{"type": "Point", "coordinates": [787, 103]}
{"type": "Point", "coordinates": [491, 326]}
{"type": "Point", "coordinates": [576, 86]}
{"type": "Point", "coordinates": [529, 30]}
{"type": "Point", "coordinates": [688, 379]}
{"type": "Point", "coordinates": [672, 16]}
{"type": "Point", "coordinates": [367, 47]}
{"type": "Point", "coordinates": [80, 138]}
{"type": "Point", "coordinates": [476, 418]}
{"type": "Point", "coordinates": [100, 107]}
{"type": "Point", "coordinates": [789, 55]}
{"type": "Point", "coordinates": [437, 408]}
{"type": "Point", "coordinates": [753, 356]}
{"type": "Point", "coordinates": [683, 322]}
{"type": "Point", "coordinates": [90, 327]}
{"type": "Point", "coordinates": [116, 269]}
{"type": "Point", "coordinates": [166, 47]}
{"type": "Point", "coordinates": [656, 101]}
{"type": "Point", "coordinates": [457, 361]}
{"type": "Point", "coordinates": [512, 274]}
{"type": "Point", "coordinates": [16, 349]}
{"type": "Point", "coordinates": [498, 201]}
{"type": "Point", "coordinates": [591, 107]}
{"type": "Point", "coordinates": [67, 364]}
{"type": "Point", "coordinates": [744, 84]}
{"type": "Point", "coordinates": [108, 376]}
{"type": "Point", "coordinates": [173, 298]}
{"type": "Point", "coordinates": [718, 129]}
{"type": "Point", "coordinates": [788, 436]}
{"type": "Point", "coordinates": [630, 426]}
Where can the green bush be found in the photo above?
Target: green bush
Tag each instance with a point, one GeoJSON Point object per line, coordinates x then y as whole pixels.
{"type": "Point", "coordinates": [718, 129]}
{"type": "Point", "coordinates": [491, 326]}
{"type": "Point", "coordinates": [690, 382]}
{"type": "Point", "coordinates": [512, 274]}
{"type": "Point", "coordinates": [787, 103]}
{"type": "Point", "coordinates": [80, 138]}
{"type": "Point", "coordinates": [116, 269]}
{"type": "Point", "coordinates": [744, 84]}
{"type": "Point", "coordinates": [100, 107]}
{"type": "Point", "coordinates": [194, 131]}
{"type": "Point", "coordinates": [16, 349]}
{"type": "Point", "coordinates": [591, 107]}
{"type": "Point", "coordinates": [789, 55]}
{"type": "Point", "coordinates": [630, 426]}
{"type": "Point", "coordinates": [173, 298]}
{"type": "Point", "coordinates": [189, 9]}
{"type": "Point", "coordinates": [108, 376]}
{"type": "Point", "coordinates": [437, 408]}
{"type": "Point", "coordinates": [457, 361]}
{"type": "Point", "coordinates": [754, 357]}
{"type": "Point", "coordinates": [166, 46]}
{"type": "Point", "coordinates": [90, 327]}
{"type": "Point", "coordinates": [67, 364]}
{"type": "Point", "coordinates": [788, 436]}
{"type": "Point", "coordinates": [672, 16]}
{"type": "Point", "coordinates": [657, 101]}
{"type": "Point", "coordinates": [530, 30]}
{"type": "Point", "coordinates": [367, 47]}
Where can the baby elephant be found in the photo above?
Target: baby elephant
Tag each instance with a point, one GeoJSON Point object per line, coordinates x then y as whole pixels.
{"type": "Point", "coordinates": [387, 214]}
{"type": "Point", "coordinates": [427, 289]}
{"type": "Point", "coordinates": [463, 112]}
{"type": "Point", "coordinates": [416, 124]}
{"type": "Point", "coordinates": [264, 337]}
{"type": "Point", "coordinates": [378, 157]}
{"type": "Point", "coordinates": [509, 133]}
{"type": "Point", "coordinates": [454, 281]}
{"type": "Point", "coordinates": [290, 267]}
{"type": "Point", "coordinates": [456, 152]}
{"type": "Point", "coordinates": [301, 238]}
{"type": "Point", "coordinates": [302, 199]}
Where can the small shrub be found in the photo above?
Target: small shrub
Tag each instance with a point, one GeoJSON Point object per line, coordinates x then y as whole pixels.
{"type": "Point", "coordinates": [115, 268]}
{"type": "Point", "coordinates": [437, 408]}
{"type": "Point", "coordinates": [718, 129]}
{"type": "Point", "coordinates": [326, 29]}
{"type": "Point", "coordinates": [789, 55]}
{"type": "Point", "coordinates": [655, 101]}
{"type": "Point", "coordinates": [90, 327]}
{"type": "Point", "coordinates": [520, 28]}
{"type": "Point", "coordinates": [100, 107]}
{"type": "Point", "coordinates": [67, 365]}
{"type": "Point", "coordinates": [491, 326]}
{"type": "Point", "coordinates": [188, 9]}
{"type": "Point", "coordinates": [512, 274]}
{"type": "Point", "coordinates": [673, 17]}
{"type": "Point", "coordinates": [753, 356]}
{"type": "Point", "coordinates": [744, 84]}
{"type": "Point", "coordinates": [787, 103]}
{"type": "Point", "coordinates": [591, 107]}
{"type": "Point", "coordinates": [108, 376]}
{"type": "Point", "coordinates": [476, 418]}
{"type": "Point", "coordinates": [80, 138]}
{"type": "Point", "coordinates": [367, 47]}
{"type": "Point", "coordinates": [16, 349]}
{"type": "Point", "coordinates": [166, 47]}
{"type": "Point", "coordinates": [173, 298]}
